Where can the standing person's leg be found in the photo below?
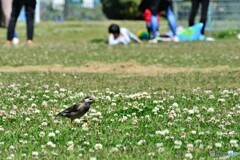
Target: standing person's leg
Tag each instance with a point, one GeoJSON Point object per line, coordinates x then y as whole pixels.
{"type": "Point", "coordinates": [204, 11]}
{"type": "Point", "coordinates": [154, 25]}
{"type": "Point", "coordinates": [7, 9]}
{"type": "Point", "coordinates": [193, 13]}
{"type": "Point", "coordinates": [171, 20]}
{"type": "Point", "coordinates": [30, 6]}
{"type": "Point", "coordinates": [16, 8]}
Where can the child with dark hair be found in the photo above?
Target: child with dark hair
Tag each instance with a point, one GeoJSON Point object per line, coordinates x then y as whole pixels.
{"type": "Point", "coordinates": [120, 35]}
{"type": "Point", "coordinates": [204, 11]}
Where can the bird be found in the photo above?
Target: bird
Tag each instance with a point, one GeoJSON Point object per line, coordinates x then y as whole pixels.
{"type": "Point", "coordinates": [79, 109]}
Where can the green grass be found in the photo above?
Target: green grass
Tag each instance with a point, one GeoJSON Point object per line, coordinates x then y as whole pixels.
{"type": "Point", "coordinates": [77, 43]}
{"type": "Point", "coordinates": [139, 116]}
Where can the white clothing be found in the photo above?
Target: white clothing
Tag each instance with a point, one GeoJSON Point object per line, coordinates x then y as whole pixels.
{"type": "Point", "coordinates": [124, 38]}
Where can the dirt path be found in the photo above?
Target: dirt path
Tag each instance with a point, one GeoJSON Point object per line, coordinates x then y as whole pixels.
{"type": "Point", "coordinates": [124, 68]}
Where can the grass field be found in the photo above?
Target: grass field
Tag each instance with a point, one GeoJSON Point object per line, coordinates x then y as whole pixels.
{"type": "Point", "coordinates": [156, 101]}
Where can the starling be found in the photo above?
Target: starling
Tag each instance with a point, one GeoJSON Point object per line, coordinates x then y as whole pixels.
{"type": "Point", "coordinates": [77, 110]}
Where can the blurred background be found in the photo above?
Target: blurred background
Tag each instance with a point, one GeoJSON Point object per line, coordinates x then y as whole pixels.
{"type": "Point", "coordinates": [223, 14]}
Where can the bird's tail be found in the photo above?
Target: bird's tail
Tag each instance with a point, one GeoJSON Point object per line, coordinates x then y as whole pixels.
{"type": "Point", "coordinates": [59, 114]}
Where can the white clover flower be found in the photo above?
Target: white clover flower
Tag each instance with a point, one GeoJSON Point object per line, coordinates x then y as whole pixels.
{"type": "Point", "coordinates": [42, 134]}
{"type": "Point", "coordinates": [56, 85]}
{"type": "Point", "coordinates": [225, 92]}
{"type": "Point", "coordinates": [221, 100]}
{"type": "Point", "coordinates": [33, 105]}
{"type": "Point", "coordinates": [37, 111]}
{"type": "Point", "coordinates": [35, 154]}
{"type": "Point", "coordinates": [177, 146]}
{"type": "Point", "coordinates": [70, 148]}
{"type": "Point", "coordinates": [189, 155]}
{"type": "Point", "coordinates": [108, 98]}
{"type": "Point", "coordinates": [141, 142]}
{"type": "Point", "coordinates": [232, 133]}
{"type": "Point", "coordinates": [86, 143]}
{"type": "Point", "coordinates": [51, 144]}
{"type": "Point", "coordinates": [159, 145]}
{"type": "Point", "coordinates": [98, 114]}
{"type": "Point", "coordinates": [57, 131]}
{"type": "Point", "coordinates": [91, 150]}
{"type": "Point", "coordinates": [70, 143]}
{"type": "Point", "coordinates": [210, 110]}
{"type": "Point", "coordinates": [191, 111]}
{"type": "Point", "coordinates": [55, 121]}
{"type": "Point", "coordinates": [234, 143]}
{"type": "Point", "coordinates": [98, 146]}
{"type": "Point", "coordinates": [11, 156]}
{"type": "Point", "coordinates": [171, 97]}
{"type": "Point", "coordinates": [161, 149]}
{"type": "Point", "coordinates": [211, 97]}
{"type": "Point", "coordinates": [24, 155]}
{"type": "Point", "coordinates": [151, 154]}
{"type": "Point", "coordinates": [218, 144]}
{"type": "Point", "coordinates": [164, 132]}
{"type": "Point", "coordinates": [219, 134]}
{"type": "Point", "coordinates": [12, 112]}
{"type": "Point", "coordinates": [124, 119]}
{"type": "Point", "coordinates": [44, 124]}
{"type": "Point", "coordinates": [11, 147]}
{"type": "Point", "coordinates": [54, 153]}
{"type": "Point", "coordinates": [189, 119]}
{"type": "Point", "coordinates": [85, 127]}
{"type": "Point", "coordinates": [155, 110]}
{"type": "Point", "coordinates": [190, 147]}
{"type": "Point", "coordinates": [175, 105]}
{"type": "Point", "coordinates": [27, 119]}
{"type": "Point", "coordinates": [62, 90]}
{"type": "Point", "coordinates": [92, 158]}
{"type": "Point", "coordinates": [178, 142]}
{"type": "Point", "coordinates": [77, 120]}
{"type": "Point", "coordinates": [1, 128]}
{"type": "Point", "coordinates": [114, 150]}
{"type": "Point", "coordinates": [194, 132]}
{"type": "Point", "coordinates": [15, 107]}
{"type": "Point", "coordinates": [44, 104]}
{"type": "Point", "coordinates": [135, 121]}
{"type": "Point", "coordinates": [201, 146]}
{"type": "Point", "coordinates": [51, 135]}
{"type": "Point", "coordinates": [198, 141]}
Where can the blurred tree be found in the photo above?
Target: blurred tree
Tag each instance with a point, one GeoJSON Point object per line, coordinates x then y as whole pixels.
{"type": "Point", "coordinates": [121, 9]}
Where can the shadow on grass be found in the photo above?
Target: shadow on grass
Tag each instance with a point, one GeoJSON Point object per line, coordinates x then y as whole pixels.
{"type": "Point", "coordinates": [98, 41]}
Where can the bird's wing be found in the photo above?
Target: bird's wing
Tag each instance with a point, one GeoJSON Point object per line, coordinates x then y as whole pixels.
{"type": "Point", "coordinates": [81, 107]}
{"type": "Point", "coordinates": [73, 108]}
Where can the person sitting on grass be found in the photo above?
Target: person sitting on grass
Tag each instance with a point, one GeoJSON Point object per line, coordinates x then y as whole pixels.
{"type": "Point", "coordinates": [151, 10]}
{"type": "Point", "coordinates": [121, 35]}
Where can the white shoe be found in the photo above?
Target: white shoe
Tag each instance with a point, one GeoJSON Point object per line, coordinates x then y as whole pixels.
{"type": "Point", "coordinates": [15, 41]}
{"type": "Point", "coordinates": [210, 39]}
{"type": "Point", "coordinates": [175, 39]}
{"type": "Point", "coordinates": [155, 40]}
